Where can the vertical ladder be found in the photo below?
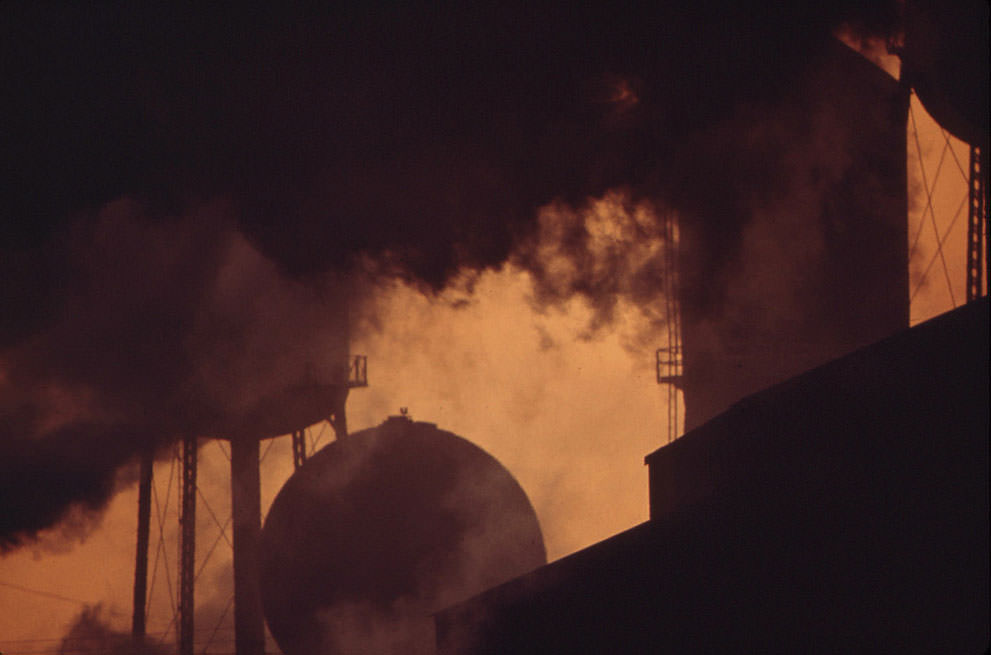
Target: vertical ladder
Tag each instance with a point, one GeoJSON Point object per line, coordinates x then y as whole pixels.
{"type": "Point", "coordinates": [669, 357]}
{"type": "Point", "coordinates": [977, 226]}
{"type": "Point", "coordinates": [187, 546]}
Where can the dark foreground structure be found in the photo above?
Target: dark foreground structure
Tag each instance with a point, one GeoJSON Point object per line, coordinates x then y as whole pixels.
{"type": "Point", "coordinates": [381, 528]}
{"type": "Point", "coordinates": [844, 510]}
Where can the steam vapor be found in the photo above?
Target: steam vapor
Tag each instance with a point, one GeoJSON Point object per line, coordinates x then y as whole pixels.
{"type": "Point", "coordinates": [90, 634]}
{"type": "Point", "coordinates": [162, 164]}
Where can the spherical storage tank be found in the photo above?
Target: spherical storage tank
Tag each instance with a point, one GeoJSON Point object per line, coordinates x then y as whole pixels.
{"type": "Point", "coordinates": [377, 531]}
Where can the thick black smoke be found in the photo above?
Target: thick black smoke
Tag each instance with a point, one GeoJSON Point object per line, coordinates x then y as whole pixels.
{"type": "Point", "coordinates": [407, 141]}
{"type": "Point", "coordinates": [430, 135]}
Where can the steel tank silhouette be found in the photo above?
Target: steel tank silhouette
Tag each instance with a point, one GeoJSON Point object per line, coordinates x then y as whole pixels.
{"type": "Point", "coordinates": [379, 530]}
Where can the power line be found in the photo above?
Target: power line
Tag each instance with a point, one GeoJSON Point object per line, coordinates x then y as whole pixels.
{"type": "Point", "coordinates": [157, 633]}
{"type": "Point", "coordinates": [48, 594]}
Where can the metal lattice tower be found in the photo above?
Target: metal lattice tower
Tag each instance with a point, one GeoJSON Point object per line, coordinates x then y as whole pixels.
{"type": "Point", "coordinates": [973, 172]}
{"type": "Point", "coordinates": [298, 448]}
{"type": "Point", "coordinates": [245, 521]}
{"type": "Point", "coordinates": [138, 627]}
{"type": "Point", "coordinates": [668, 362]}
{"type": "Point", "coordinates": [977, 227]}
{"type": "Point", "coordinates": [249, 624]}
{"type": "Point", "coordinates": [187, 546]}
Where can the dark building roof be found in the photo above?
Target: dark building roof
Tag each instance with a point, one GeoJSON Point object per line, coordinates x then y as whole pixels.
{"type": "Point", "coordinates": [843, 510]}
{"type": "Point", "coordinates": [820, 264]}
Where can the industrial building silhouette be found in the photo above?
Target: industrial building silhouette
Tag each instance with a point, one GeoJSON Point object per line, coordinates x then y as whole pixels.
{"type": "Point", "coordinates": [831, 492]}
{"type": "Point", "coordinates": [844, 510]}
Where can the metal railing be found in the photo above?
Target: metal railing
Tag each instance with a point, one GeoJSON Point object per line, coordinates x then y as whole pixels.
{"type": "Point", "coordinates": [358, 371]}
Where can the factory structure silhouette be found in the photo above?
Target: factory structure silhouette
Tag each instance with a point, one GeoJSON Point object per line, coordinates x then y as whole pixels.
{"type": "Point", "coordinates": [829, 493]}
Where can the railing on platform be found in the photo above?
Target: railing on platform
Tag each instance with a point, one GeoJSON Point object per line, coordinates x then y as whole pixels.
{"type": "Point", "coordinates": [358, 371]}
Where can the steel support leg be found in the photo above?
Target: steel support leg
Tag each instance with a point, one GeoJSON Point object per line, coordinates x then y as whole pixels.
{"type": "Point", "coordinates": [141, 560]}
{"type": "Point", "coordinates": [249, 624]}
{"type": "Point", "coordinates": [187, 559]}
{"type": "Point", "coordinates": [298, 448]}
{"type": "Point", "coordinates": [977, 225]}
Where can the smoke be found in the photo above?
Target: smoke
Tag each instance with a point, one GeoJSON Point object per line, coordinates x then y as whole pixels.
{"type": "Point", "coordinates": [167, 327]}
{"type": "Point", "coordinates": [90, 634]}
{"type": "Point", "coordinates": [190, 192]}
{"type": "Point", "coordinates": [427, 136]}
{"type": "Point", "coordinates": [609, 252]}
{"type": "Point", "coordinates": [367, 628]}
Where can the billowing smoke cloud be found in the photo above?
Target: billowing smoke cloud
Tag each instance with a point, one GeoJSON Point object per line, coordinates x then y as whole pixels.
{"type": "Point", "coordinates": [611, 249]}
{"type": "Point", "coordinates": [166, 327]}
{"type": "Point", "coordinates": [91, 634]}
{"type": "Point", "coordinates": [185, 188]}
{"type": "Point", "coordinates": [429, 135]}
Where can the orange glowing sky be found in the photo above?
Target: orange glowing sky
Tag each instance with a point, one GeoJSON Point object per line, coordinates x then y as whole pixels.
{"type": "Point", "coordinates": [570, 418]}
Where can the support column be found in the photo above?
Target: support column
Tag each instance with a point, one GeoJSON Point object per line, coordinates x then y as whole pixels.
{"type": "Point", "coordinates": [141, 560]}
{"type": "Point", "coordinates": [338, 418]}
{"type": "Point", "coordinates": [977, 225]}
{"type": "Point", "coordinates": [249, 626]}
{"type": "Point", "coordinates": [298, 448]}
{"type": "Point", "coordinates": [187, 554]}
